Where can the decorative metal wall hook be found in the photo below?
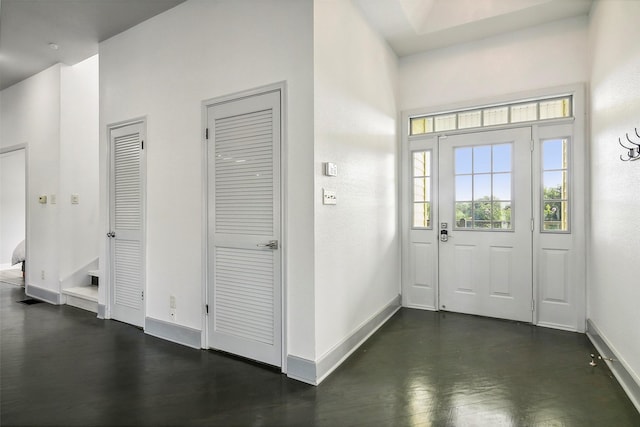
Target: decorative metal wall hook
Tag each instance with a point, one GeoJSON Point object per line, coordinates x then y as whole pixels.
{"type": "Point", "coordinates": [633, 148]}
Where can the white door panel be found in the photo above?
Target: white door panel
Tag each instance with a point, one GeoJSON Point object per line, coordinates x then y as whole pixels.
{"type": "Point", "coordinates": [420, 263]}
{"type": "Point", "coordinates": [485, 266]}
{"type": "Point", "coordinates": [127, 224]}
{"type": "Point", "coordinates": [244, 273]}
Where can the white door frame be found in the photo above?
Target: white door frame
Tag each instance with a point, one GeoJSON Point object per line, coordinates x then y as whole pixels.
{"type": "Point", "coordinates": [108, 269]}
{"type": "Point", "coordinates": [10, 149]}
{"type": "Point", "coordinates": [580, 201]}
{"type": "Point", "coordinates": [280, 87]}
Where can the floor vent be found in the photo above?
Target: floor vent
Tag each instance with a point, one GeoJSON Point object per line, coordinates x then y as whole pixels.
{"type": "Point", "coordinates": [29, 301]}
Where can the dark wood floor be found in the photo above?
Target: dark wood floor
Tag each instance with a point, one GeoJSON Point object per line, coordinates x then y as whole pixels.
{"type": "Point", "coordinates": [62, 366]}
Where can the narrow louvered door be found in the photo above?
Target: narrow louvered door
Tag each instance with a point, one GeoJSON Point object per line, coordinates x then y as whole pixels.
{"type": "Point", "coordinates": [244, 285]}
{"type": "Point", "coordinates": [127, 224]}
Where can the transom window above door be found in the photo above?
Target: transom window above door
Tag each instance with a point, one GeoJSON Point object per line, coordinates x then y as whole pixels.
{"type": "Point", "coordinates": [493, 115]}
{"type": "Point", "coordinates": [483, 182]}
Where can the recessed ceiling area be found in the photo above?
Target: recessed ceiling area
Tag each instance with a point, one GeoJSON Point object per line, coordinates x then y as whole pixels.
{"type": "Point", "coordinates": [29, 27]}
{"type": "Point", "coordinates": [414, 26]}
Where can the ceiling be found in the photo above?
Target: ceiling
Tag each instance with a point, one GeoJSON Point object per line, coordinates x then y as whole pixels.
{"type": "Point", "coordinates": [28, 27]}
{"type": "Point", "coordinates": [414, 26]}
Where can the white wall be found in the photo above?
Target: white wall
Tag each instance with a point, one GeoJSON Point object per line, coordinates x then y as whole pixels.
{"type": "Point", "coordinates": [163, 69]}
{"type": "Point", "coordinates": [546, 56]}
{"type": "Point", "coordinates": [78, 166]}
{"type": "Point", "coordinates": [30, 113]}
{"type": "Point", "coordinates": [55, 113]}
{"type": "Point", "coordinates": [357, 241]}
{"type": "Point", "coordinates": [12, 203]}
{"type": "Point", "coordinates": [613, 291]}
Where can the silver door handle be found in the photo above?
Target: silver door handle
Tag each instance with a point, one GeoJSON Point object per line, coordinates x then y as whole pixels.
{"type": "Point", "coordinates": [111, 234]}
{"type": "Point", "coordinates": [273, 244]}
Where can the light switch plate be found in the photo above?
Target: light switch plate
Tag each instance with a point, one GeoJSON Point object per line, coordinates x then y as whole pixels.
{"type": "Point", "coordinates": [42, 199]}
{"type": "Point", "coordinates": [329, 197]}
{"type": "Point", "coordinates": [75, 199]}
{"type": "Point", "coordinates": [330, 169]}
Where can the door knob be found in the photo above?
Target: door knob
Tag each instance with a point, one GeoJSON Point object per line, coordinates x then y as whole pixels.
{"type": "Point", "coordinates": [273, 244]}
{"type": "Point", "coordinates": [111, 234]}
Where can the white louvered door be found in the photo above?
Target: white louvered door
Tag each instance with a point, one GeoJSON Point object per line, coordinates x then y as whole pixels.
{"type": "Point", "coordinates": [244, 273]}
{"type": "Point", "coordinates": [127, 224]}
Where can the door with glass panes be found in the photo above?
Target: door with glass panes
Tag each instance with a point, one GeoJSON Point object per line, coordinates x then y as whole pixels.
{"type": "Point", "coordinates": [485, 224]}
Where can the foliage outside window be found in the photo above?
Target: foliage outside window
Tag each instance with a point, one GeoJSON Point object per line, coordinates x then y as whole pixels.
{"type": "Point", "coordinates": [422, 189]}
{"type": "Point", "coordinates": [483, 198]}
{"type": "Point", "coordinates": [555, 185]}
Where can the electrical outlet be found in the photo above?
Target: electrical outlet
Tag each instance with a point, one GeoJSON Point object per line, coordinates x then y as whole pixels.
{"type": "Point", "coordinates": [42, 274]}
{"type": "Point", "coordinates": [173, 314]}
{"type": "Point", "coordinates": [172, 302]}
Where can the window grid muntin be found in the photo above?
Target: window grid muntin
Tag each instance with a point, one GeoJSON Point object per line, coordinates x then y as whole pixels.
{"type": "Point", "coordinates": [565, 211]}
{"type": "Point", "coordinates": [426, 220]}
{"type": "Point", "coordinates": [567, 112]}
{"type": "Point", "coordinates": [492, 202]}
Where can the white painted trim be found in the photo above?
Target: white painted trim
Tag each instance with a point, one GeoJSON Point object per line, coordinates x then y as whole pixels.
{"type": "Point", "coordinates": [314, 373]}
{"type": "Point", "coordinates": [24, 146]}
{"type": "Point", "coordinates": [172, 332]}
{"type": "Point", "coordinates": [101, 311]}
{"type": "Point", "coordinates": [340, 352]}
{"type": "Point", "coordinates": [303, 370]}
{"type": "Point", "coordinates": [628, 379]}
{"type": "Point", "coordinates": [47, 295]}
{"type": "Point", "coordinates": [280, 87]}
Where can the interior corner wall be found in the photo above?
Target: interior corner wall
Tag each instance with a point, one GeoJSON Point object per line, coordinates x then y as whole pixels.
{"type": "Point", "coordinates": [78, 243]}
{"type": "Point", "coordinates": [30, 114]}
{"type": "Point", "coordinates": [540, 57]}
{"type": "Point", "coordinates": [162, 70]}
{"type": "Point", "coordinates": [357, 242]}
{"type": "Point", "coordinates": [613, 291]}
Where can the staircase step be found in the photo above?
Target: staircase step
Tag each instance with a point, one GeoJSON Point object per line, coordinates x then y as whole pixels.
{"type": "Point", "coordinates": [84, 297]}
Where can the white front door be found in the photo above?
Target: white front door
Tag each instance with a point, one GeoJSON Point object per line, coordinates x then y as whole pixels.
{"type": "Point", "coordinates": [243, 241]}
{"type": "Point", "coordinates": [127, 224]}
{"type": "Point", "coordinates": [485, 224]}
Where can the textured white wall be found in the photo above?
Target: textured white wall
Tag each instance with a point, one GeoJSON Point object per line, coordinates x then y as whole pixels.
{"type": "Point", "coordinates": [12, 203]}
{"type": "Point", "coordinates": [30, 113]}
{"type": "Point", "coordinates": [79, 239]}
{"type": "Point", "coordinates": [357, 241]}
{"type": "Point", "coordinates": [541, 57]}
{"type": "Point", "coordinates": [163, 69]}
{"type": "Point", "coordinates": [613, 290]}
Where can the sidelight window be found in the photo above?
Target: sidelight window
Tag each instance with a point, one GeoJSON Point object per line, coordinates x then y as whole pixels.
{"type": "Point", "coordinates": [555, 185]}
{"type": "Point", "coordinates": [422, 189]}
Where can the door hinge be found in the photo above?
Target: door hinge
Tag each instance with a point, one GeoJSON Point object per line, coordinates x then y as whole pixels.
{"type": "Point", "coordinates": [142, 144]}
{"type": "Point", "coordinates": [533, 305]}
{"type": "Point", "coordinates": [206, 307]}
{"type": "Point", "coordinates": [533, 224]}
{"type": "Point", "coordinates": [142, 295]}
{"type": "Point", "coordinates": [206, 133]}
{"type": "Point", "coordinates": [531, 145]}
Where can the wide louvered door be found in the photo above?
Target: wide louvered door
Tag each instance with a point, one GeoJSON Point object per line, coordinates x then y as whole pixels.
{"type": "Point", "coordinates": [244, 285]}
{"type": "Point", "coordinates": [127, 224]}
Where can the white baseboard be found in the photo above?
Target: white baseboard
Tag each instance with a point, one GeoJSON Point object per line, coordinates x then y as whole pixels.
{"type": "Point", "coordinates": [172, 332]}
{"type": "Point", "coordinates": [623, 373]}
{"type": "Point", "coordinates": [47, 295]}
{"type": "Point", "coordinates": [314, 373]}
